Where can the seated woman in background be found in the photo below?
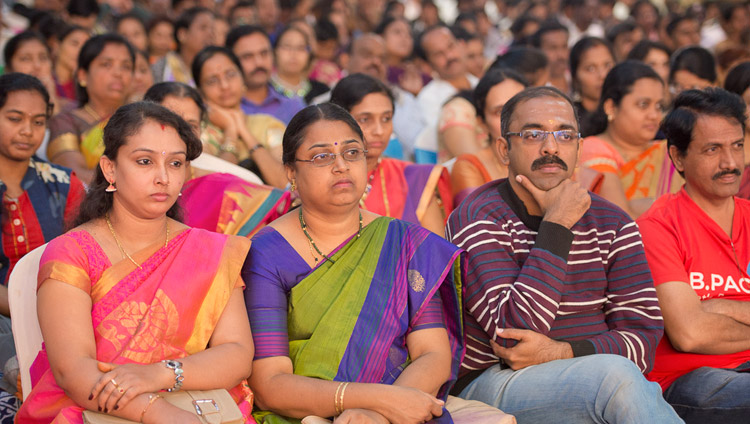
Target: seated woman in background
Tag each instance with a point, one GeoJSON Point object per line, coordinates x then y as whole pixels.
{"type": "Point", "coordinates": [68, 43]}
{"type": "Point", "coordinates": [28, 53]}
{"type": "Point", "coordinates": [218, 202]}
{"type": "Point", "coordinates": [235, 136]}
{"type": "Point", "coordinates": [105, 72]}
{"type": "Point", "coordinates": [591, 59]}
{"type": "Point", "coordinates": [141, 314]}
{"type": "Point", "coordinates": [419, 194]}
{"type": "Point", "coordinates": [354, 314]}
{"type": "Point", "coordinates": [473, 170]}
{"type": "Point", "coordinates": [654, 54]}
{"type": "Point", "coordinates": [692, 68]}
{"type": "Point", "coordinates": [636, 168]}
{"type": "Point", "coordinates": [293, 57]}
{"type": "Point", "coordinates": [38, 199]}
{"type": "Point", "coordinates": [193, 31]}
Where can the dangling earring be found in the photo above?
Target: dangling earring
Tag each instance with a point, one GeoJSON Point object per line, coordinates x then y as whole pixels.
{"type": "Point", "coordinates": [82, 83]}
{"type": "Point", "coordinates": [111, 188]}
{"type": "Point", "coordinates": [294, 185]}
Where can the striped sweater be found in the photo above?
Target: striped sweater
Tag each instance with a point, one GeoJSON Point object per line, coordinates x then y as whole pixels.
{"type": "Point", "coordinates": [589, 286]}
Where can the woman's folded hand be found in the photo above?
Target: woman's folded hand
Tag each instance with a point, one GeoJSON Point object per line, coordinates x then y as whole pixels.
{"type": "Point", "coordinates": [122, 383]}
{"type": "Point", "coordinates": [406, 405]}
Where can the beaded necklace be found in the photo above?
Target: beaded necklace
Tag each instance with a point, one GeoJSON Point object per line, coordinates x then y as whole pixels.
{"type": "Point", "coordinates": [312, 243]}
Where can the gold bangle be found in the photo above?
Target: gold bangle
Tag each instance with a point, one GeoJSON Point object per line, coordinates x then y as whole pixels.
{"type": "Point", "coordinates": [341, 401]}
{"type": "Point", "coordinates": [151, 399]}
{"type": "Point", "coordinates": [336, 400]}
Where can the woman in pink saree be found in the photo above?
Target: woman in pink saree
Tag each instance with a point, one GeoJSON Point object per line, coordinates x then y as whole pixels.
{"type": "Point", "coordinates": [141, 313]}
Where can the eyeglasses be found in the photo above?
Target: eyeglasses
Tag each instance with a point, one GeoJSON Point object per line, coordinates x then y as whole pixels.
{"type": "Point", "coordinates": [564, 137]}
{"type": "Point", "coordinates": [325, 159]}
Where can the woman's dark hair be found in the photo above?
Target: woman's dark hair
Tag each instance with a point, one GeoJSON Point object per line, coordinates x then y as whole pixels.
{"type": "Point", "coordinates": [738, 79]}
{"type": "Point", "coordinates": [66, 30]}
{"type": "Point", "coordinates": [160, 91]}
{"type": "Point", "coordinates": [83, 8]}
{"type": "Point", "coordinates": [386, 22]}
{"type": "Point", "coordinates": [207, 53]}
{"type": "Point", "coordinates": [527, 61]}
{"type": "Point", "coordinates": [679, 123]}
{"type": "Point", "coordinates": [16, 81]}
{"type": "Point", "coordinates": [155, 21]}
{"type": "Point", "coordinates": [492, 78]}
{"type": "Point", "coordinates": [644, 47]}
{"type": "Point", "coordinates": [618, 84]}
{"type": "Point", "coordinates": [125, 123]}
{"type": "Point", "coordinates": [351, 90]}
{"type": "Point", "coordinates": [295, 132]}
{"type": "Point", "coordinates": [15, 43]}
{"type": "Point", "coordinates": [696, 60]}
{"type": "Point", "coordinates": [325, 30]}
{"type": "Point", "coordinates": [133, 16]}
{"type": "Point", "coordinates": [582, 46]}
{"type": "Point", "coordinates": [90, 50]}
{"type": "Point", "coordinates": [186, 19]}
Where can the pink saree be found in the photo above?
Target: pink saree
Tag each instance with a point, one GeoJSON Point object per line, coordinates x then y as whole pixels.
{"type": "Point", "coordinates": [167, 309]}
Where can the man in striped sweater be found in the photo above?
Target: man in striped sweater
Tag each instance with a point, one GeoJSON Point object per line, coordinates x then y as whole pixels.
{"type": "Point", "coordinates": [560, 309]}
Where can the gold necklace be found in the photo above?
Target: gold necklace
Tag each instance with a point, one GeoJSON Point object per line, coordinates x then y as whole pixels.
{"type": "Point", "coordinates": [90, 110]}
{"type": "Point", "coordinates": [124, 253]}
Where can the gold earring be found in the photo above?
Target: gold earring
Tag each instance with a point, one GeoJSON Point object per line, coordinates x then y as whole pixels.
{"type": "Point", "coordinates": [294, 185]}
{"type": "Point", "coordinates": [111, 188]}
{"type": "Point", "coordinates": [610, 118]}
{"type": "Point", "coordinates": [82, 83]}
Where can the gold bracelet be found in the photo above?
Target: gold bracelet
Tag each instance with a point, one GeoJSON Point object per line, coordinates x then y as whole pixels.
{"type": "Point", "coordinates": [151, 399]}
{"type": "Point", "coordinates": [336, 400]}
{"type": "Point", "coordinates": [341, 401]}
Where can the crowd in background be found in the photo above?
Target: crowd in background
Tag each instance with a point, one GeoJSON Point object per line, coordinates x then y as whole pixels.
{"type": "Point", "coordinates": [424, 80]}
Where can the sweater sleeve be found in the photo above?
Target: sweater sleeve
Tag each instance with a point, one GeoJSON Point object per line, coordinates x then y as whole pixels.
{"type": "Point", "coordinates": [632, 309]}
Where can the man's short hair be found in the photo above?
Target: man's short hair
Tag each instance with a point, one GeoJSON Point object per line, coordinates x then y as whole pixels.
{"type": "Point", "coordinates": [531, 93]}
{"type": "Point", "coordinates": [419, 50]}
{"type": "Point", "coordinates": [243, 31]}
{"type": "Point", "coordinates": [620, 29]}
{"type": "Point", "coordinates": [679, 123]}
{"type": "Point", "coordinates": [547, 27]}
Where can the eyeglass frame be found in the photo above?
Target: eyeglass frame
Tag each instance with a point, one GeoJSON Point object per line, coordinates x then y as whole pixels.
{"type": "Point", "coordinates": [334, 155]}
{"type": "Point", "coordinates": [546, 135]}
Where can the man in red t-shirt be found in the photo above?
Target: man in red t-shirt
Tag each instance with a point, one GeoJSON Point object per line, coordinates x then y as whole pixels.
{"type": "Point", "coordinates": [697, 244]}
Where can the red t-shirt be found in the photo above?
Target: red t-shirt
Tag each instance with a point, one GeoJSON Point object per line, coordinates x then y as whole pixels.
{"type": "Point", "coordinates": [683, 243]}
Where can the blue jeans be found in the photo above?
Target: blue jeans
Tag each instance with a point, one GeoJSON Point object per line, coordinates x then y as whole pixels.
{"type": "Point", "coordinates": [590, 389]}
{"type": "Point", "coordinates": [709, 395]}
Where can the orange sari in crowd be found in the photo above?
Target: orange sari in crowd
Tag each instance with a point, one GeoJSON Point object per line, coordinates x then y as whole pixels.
{"type": "Point", "coordinates": [167, 309]}
{"type": "Point", "coordinates": [651, 174]}
{"type": "Point", "coordinates": [403, 190]}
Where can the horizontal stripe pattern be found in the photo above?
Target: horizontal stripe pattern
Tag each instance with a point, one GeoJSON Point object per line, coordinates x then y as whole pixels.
{"type": "Point", "coordinates": [603, 293]}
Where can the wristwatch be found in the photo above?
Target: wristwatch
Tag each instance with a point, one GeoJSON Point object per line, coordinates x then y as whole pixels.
{"type": "Point", "coordinates": [175, 366]}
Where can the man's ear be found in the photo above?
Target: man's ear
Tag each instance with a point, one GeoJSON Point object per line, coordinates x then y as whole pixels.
{"type": "Point", "coordinates": [502, 146]}
{"type": "Point", "coordinates": [677, 158]}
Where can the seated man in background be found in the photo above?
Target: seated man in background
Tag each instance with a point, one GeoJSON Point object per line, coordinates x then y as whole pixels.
{"type": "Point", "coordinates": [561, 315]}
{"type": "Point", "coordinates": [697, 243]}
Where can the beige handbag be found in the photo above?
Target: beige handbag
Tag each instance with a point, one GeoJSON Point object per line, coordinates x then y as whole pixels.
{"type": "Point", "coordinates": [211, 407]}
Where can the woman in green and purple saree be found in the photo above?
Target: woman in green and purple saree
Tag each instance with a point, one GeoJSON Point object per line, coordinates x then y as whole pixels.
{"type": "Point", "coordinates": [355, 315]}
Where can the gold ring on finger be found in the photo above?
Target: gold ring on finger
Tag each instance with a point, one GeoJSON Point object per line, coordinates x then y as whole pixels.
{"type": "Point", "coordinates": [115, 383]}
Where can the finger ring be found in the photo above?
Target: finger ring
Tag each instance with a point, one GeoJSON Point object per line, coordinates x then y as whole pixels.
{"type": "Point", "coordinates": [114, 382]}
{"type": "Point", "coordinates": [121, 390]}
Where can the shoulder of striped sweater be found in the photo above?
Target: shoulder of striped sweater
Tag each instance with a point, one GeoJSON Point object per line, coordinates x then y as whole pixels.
{"type": "Point", "coordinates": [480, 203]}
{"type": "Point", "coordinates": [603, 209]}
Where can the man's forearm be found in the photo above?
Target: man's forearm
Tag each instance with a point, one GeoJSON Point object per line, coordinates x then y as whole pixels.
{"type": "Point", "coordinates": [738, 310]}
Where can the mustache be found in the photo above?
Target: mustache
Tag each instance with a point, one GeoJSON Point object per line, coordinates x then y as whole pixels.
{"type": "Point", "coordinates": [734, 171]}
{"type": "Point", "coordinates": [549, 160]}
{"type": "Point", "coordinates": [258, 70]}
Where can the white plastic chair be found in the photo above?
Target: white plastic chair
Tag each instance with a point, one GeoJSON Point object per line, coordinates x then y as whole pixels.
{"type": "Point", "coordinates": [215, 164]}
{"type": "Point", "coordinates": [24, 321]}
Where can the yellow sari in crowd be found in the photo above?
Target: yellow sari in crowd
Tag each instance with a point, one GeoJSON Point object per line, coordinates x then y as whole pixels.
{"type": "Point", "coordinates": [651, 174]}
{"type": "Point", "coordinates": [167, 309]}
{"type": "Point", "coordinates": [69, 131]}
